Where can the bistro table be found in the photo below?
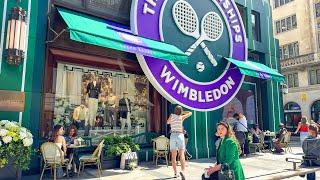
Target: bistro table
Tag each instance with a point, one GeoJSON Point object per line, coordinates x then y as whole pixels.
{"type": "Point", "coordinates": [73, 148]}
{"type": "Point", "coordinates": [269, 136]}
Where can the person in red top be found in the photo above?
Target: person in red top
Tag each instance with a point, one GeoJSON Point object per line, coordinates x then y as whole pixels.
{"type": "Point", "coordinates": [303, 129]}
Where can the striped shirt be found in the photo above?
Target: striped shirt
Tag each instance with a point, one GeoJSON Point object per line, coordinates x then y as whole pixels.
{"type": "Point", "coordinates": [176, 123]}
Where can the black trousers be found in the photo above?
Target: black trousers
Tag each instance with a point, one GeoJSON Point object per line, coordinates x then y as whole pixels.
{"type": "Point", "coordinates": [213, 176]}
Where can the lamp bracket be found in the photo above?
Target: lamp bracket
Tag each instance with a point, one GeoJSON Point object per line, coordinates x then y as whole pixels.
{"type": "Point", "coordinates": [57, 34]}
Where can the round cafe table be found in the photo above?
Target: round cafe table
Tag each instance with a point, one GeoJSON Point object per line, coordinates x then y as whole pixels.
{"type": "Point", "coordinates": [72, 148]}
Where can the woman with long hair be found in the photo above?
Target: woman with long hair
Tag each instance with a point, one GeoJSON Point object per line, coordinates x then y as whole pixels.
{"type": "Point", "coordinates": [227, 153]}
{"type": "Point", "coordinates": [58, 139]}
{"type": "Point", "coordinates": [72, 133]}
{"type": "Point", "coordinates": [303, 129]}
{"type": "Point", "coordinates": [177, 142]}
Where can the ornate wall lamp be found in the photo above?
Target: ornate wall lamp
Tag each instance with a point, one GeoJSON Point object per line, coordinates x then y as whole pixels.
{"type": "Point", "coordinates": [16, 36]}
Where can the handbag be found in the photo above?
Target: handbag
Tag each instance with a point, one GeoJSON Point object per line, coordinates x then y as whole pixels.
{"type": "Point", "coordinates": [226, 173]}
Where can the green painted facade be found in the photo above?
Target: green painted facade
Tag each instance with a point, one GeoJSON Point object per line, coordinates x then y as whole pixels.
{"type": "Point", "coordinates": [11, 77]}
{"type": "Point", "coordinates": [201, 126]}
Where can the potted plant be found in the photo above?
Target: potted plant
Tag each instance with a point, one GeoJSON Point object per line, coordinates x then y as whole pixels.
{"type": "Point", "coordinates": [15, 149]}
{"type": "Point", "coordinates": [114, 147]}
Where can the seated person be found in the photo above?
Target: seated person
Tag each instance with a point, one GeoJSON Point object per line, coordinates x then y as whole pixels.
{"type": "Point", "coordinates": [70, 137]}
{"type": "Point", "coordinates": [71, 134]}
{"type": "Point", "coordinates": [279, 136]}
{"type": "Point", "coordinates": [311, 149]}
{"type": "Point", "coordinates": [256, 132]}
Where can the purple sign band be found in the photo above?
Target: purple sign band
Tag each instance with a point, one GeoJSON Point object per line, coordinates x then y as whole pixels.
{"type": "Point", "coordinates": [174, 85]}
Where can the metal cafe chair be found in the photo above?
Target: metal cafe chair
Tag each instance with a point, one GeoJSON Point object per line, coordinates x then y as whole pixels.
{"type": "Point", "coordinates": [53, 158]}
{"type": "Point", "coordinates": [92, 159]}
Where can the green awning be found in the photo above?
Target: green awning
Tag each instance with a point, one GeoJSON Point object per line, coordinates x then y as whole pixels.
{"type": "Point", "coordinates": [92, 30]}
{"type": "Point", "coordinates": [258, 70]}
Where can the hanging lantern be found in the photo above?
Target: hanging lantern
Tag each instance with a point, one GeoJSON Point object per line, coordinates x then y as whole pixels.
{"type": "Point", "coordinates": [15, 47]}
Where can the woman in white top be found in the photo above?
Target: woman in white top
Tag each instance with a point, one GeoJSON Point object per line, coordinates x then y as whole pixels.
{"type": "Point", "coordinates": [177, 138]}
{"type": "Point", "coordinates": [59, 139]}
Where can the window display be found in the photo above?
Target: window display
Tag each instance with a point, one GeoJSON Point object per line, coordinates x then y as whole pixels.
{"type": "Point", "coordinates": [244, 102]}
{"type": "Point", "coordinates": [100, 102]}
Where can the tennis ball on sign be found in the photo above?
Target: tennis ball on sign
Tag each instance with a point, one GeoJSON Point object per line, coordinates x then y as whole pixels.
{"type": "Point", "coordinates": [200, 67]}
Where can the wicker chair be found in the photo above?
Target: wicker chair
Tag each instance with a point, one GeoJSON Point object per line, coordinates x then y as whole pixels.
{"type": "Point", "coordinates": [53, 157]}
{"type": "Point", "coordinates": [285, 142]}
{"type": "Point", "coordinates": [161, 148]}
{"type": "Point", "coordinates": [259, 146]}
{"type": "Point", "coordinates": [92, 159]}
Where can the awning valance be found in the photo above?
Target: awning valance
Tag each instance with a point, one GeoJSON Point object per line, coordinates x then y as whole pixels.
{"type": "Point", "coordinates": [93, 30]}
{"type": "Point", "coordinates": [258, 70]}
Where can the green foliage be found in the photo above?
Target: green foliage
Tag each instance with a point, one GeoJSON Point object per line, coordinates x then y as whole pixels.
{"type": "Point", "coordinates": [17, 152]}
{"type": "Point", "coordinates": [117, 145]}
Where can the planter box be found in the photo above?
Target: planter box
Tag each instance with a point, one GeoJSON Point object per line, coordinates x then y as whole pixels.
{"type": "Point", "coordinates": [9, 172]}
{"type": "Point", "coordinates": [112, 162]}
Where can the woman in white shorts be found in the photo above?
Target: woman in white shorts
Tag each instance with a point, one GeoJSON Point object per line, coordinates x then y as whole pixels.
{"type": "Point", "coordinates": [177, 138]}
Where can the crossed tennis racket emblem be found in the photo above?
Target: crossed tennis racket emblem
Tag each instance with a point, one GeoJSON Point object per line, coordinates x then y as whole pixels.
{"type": "Point", "coordinates": [187, 21]}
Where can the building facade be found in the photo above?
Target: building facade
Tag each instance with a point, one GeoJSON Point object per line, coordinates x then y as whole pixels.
{"type": "Point", "coordinates": [296, 25]}
{"type": "Point", "coordinates": [59, 65]}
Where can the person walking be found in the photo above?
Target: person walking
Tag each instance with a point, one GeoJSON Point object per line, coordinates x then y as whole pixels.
{"type": "Point", "coordinates": [227, 153]}
{"type": "Point", "coordinates": [241, 132]}
{"type": "Point", "coordinates": [303, 129]}
{"type": "Point", "coordinates": [177, 142]}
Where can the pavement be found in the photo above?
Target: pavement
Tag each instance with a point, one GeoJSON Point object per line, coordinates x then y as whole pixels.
{"type": "Point", "coordinates": [254, 167]}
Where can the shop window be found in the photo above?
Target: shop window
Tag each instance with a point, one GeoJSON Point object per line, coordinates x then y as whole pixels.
{"type": "Point", "coordinates": [315, 111]}
{"type": "Point", "coordinates": [286, 24]}
{"type": "Point", "coordinates": [245, 102]}
{"type": "Point", "coordinates": [314, 76]}
{"type": "Point", "coordinates": [117, 102]}
{"type": "Point", "coordinates": [113, 10]}
{"type": "Point", "coordinates": [255, 20]}
{"type": "Point", "coordinates": [317, 9]}
{"type": "Point", "coordinates": [292, 113]}
{"type": "Point", "coordinates": [293, 80]}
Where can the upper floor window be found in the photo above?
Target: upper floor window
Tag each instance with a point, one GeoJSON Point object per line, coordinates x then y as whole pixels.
{"type": "Point", "coordinates": [289, 50]}
{"type": "Point", "coordinates": [314, 76]}
{"type": "Point", "coordinates": [318, 35]}
{"type": "Point", "coordinates": [114, 10]}
{"type": "Point", "coordinates": [243, 14]}
{"type": "Point", "coordinates": [255, 20]}
{"type": "Point", "coordinates": [278, 3]}
{"type": "Point", "coordinates": [317, 9]}
{"type": "Point", "coordinates": [286, 24]}
{"type": "Point", "coordinates": [293, 80]}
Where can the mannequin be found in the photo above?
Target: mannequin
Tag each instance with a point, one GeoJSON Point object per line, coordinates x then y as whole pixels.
{"type": "Point", "coordinates": [93, 91]}
{"type": "Point", "coordinates": [81, 116]}
{"type": "Point", "coordinates": [125, 111]}
{"type": "Point", "coordinates": [110, 109]}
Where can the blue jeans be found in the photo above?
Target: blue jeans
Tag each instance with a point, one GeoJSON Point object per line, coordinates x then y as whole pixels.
{"type": "Point", "coordinates": [311, 176]}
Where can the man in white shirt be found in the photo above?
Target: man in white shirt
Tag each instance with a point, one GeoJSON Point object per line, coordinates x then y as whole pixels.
{"type": "Point", "coordinates": [241, 131]}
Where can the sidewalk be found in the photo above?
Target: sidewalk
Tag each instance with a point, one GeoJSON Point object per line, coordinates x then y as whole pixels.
{"type": "Point", "coordinates": [254, 166]}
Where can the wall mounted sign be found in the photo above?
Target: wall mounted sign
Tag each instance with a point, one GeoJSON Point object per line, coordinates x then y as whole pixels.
{"type": "Point", "coordinates": [12, 101]}
{"type": "Point", "coordinates": [206, 30]}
